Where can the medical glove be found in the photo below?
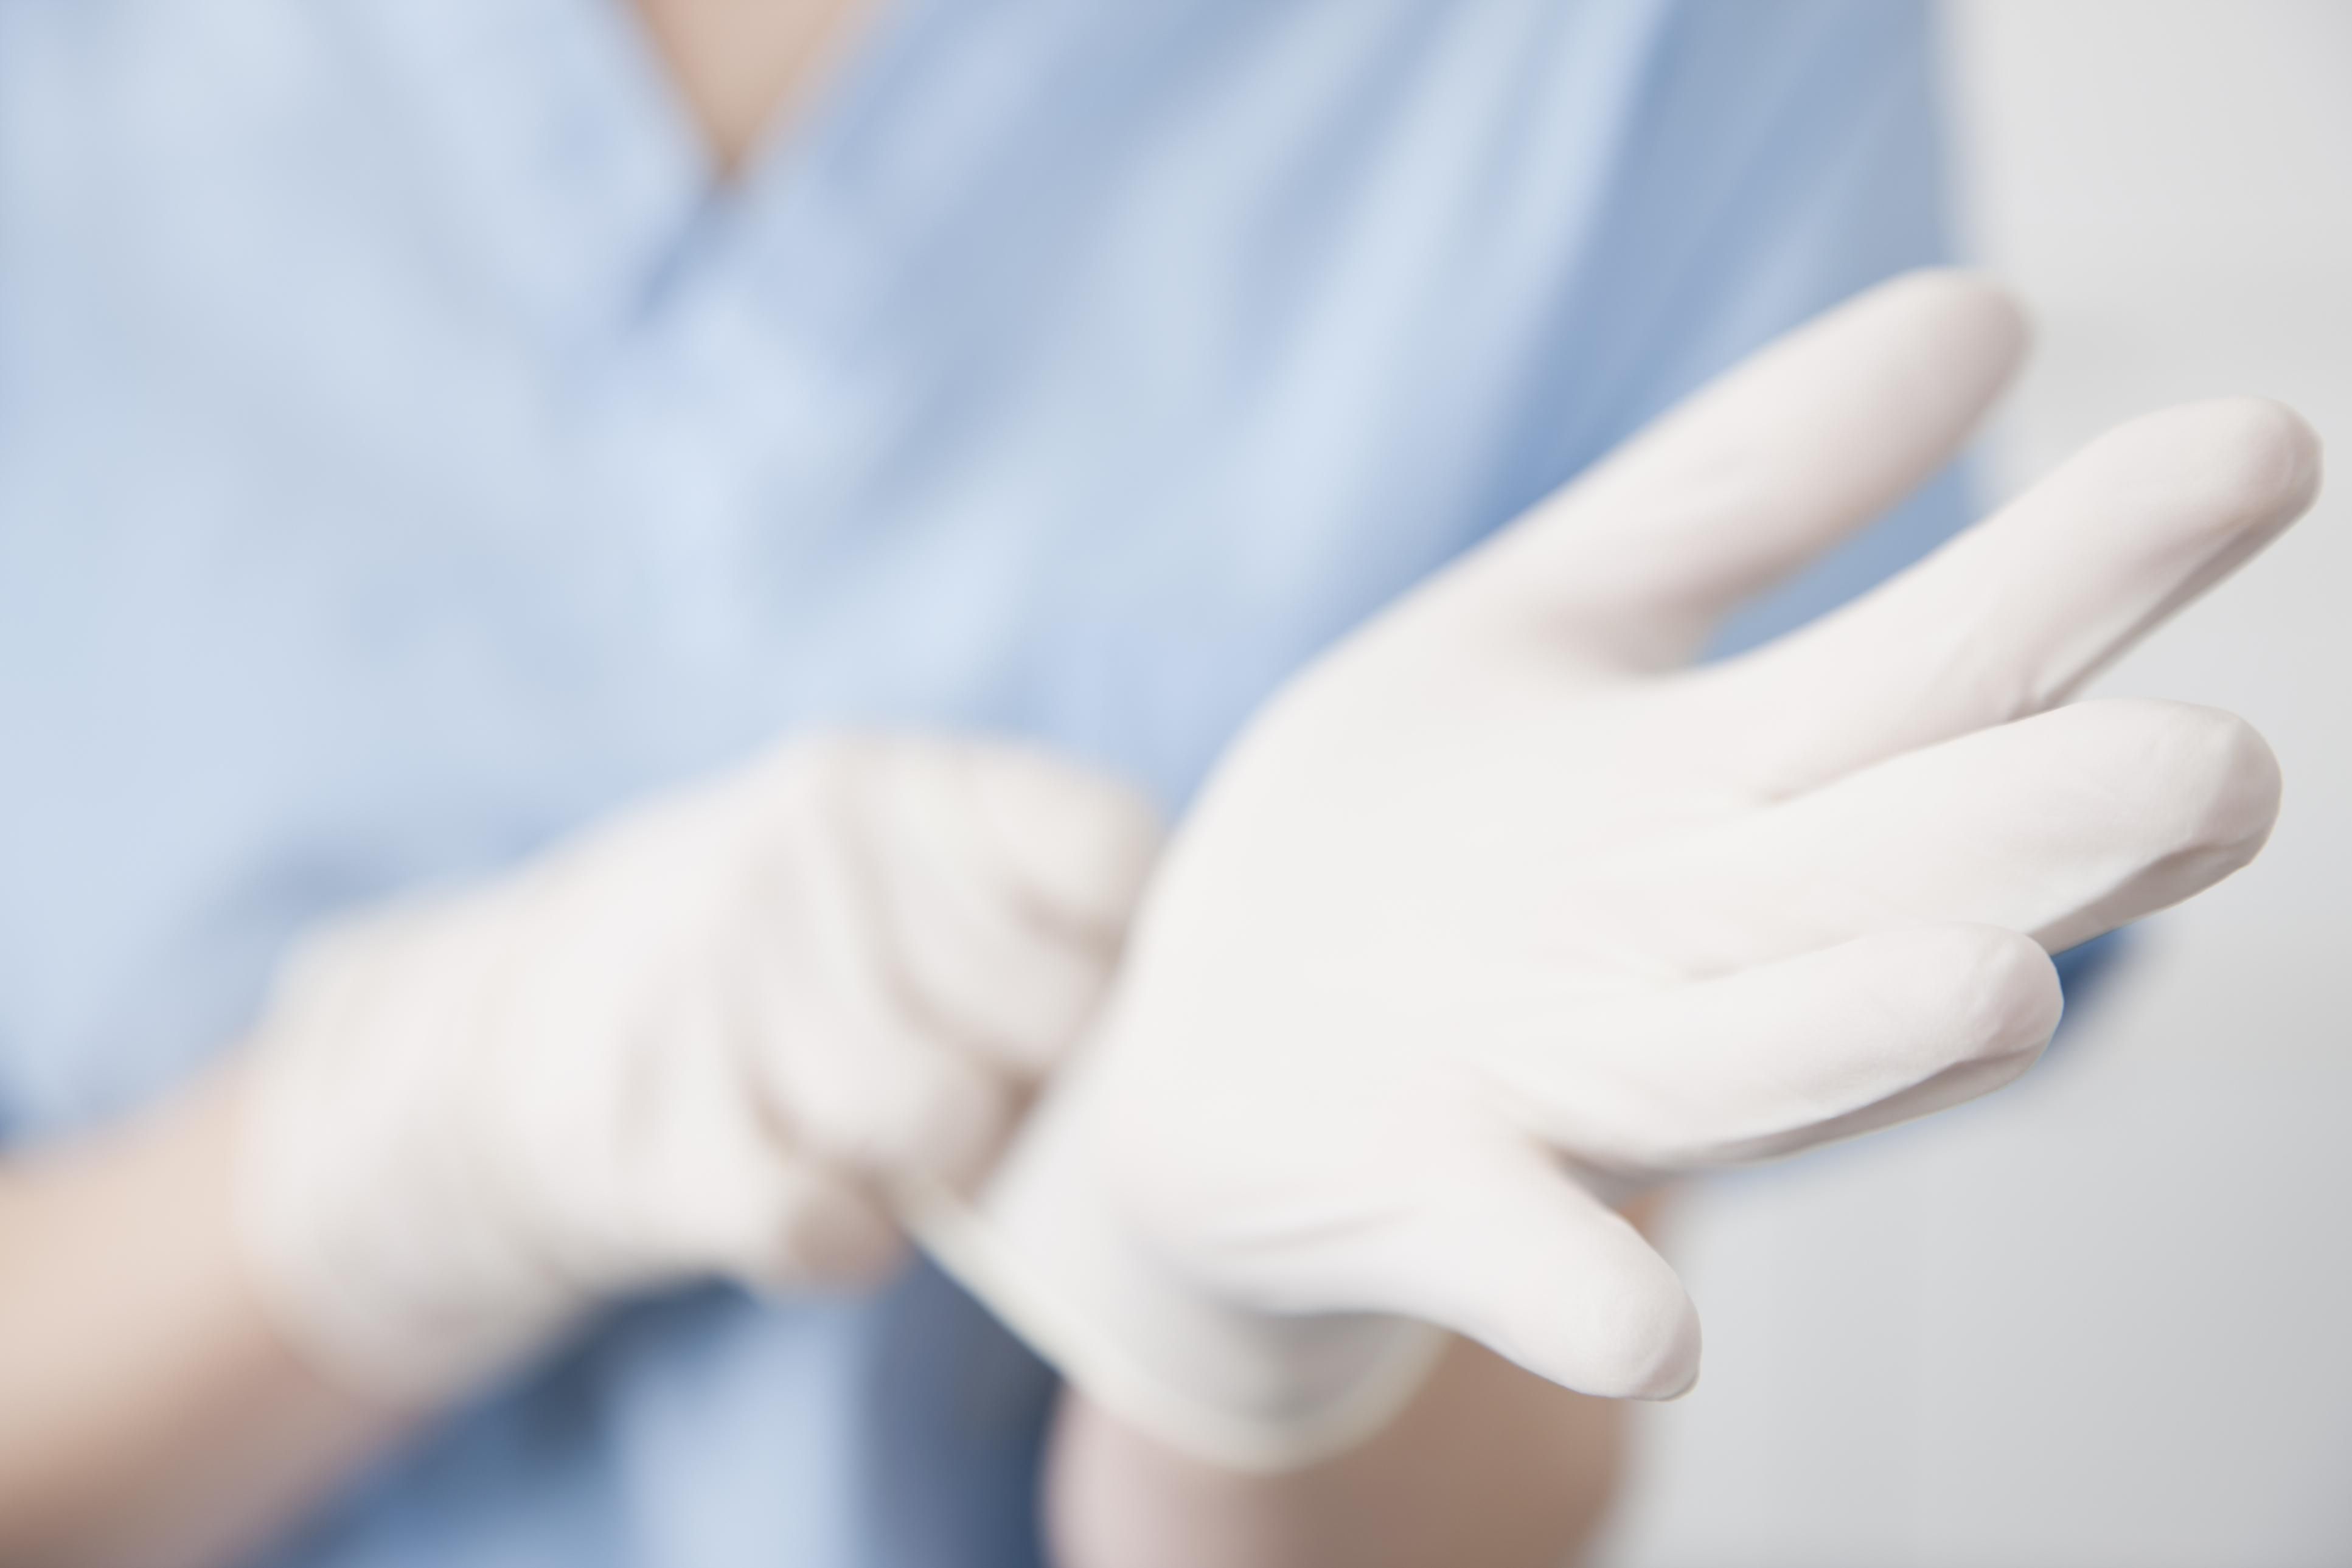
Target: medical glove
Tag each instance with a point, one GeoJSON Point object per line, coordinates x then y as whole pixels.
{"type": "Point", "coordinates": [702, 1039]}
{"type": "Point", "coordinates": [1501, 912]}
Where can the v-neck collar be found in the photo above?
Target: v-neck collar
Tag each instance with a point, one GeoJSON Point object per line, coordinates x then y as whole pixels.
{"type": "Point", "coordinates": [559, 144]}
{"type": "Point", "coordinates": [562, 148]}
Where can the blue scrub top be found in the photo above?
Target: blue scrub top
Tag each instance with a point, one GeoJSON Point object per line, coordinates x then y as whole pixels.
{"type": "Point", "coordinates": [408, 453]}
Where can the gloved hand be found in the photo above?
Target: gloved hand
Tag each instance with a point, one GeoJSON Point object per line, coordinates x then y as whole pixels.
{"type": "Point", "coordinates": [1498, 912]}
{"type": "Point", "coordinates": [703, 1038]}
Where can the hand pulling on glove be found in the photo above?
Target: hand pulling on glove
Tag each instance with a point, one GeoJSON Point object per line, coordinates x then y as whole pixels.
{"type": "Point", "coordinates": [705, 1038]}
{"type": "Point", "coordinates": [1499, 912]}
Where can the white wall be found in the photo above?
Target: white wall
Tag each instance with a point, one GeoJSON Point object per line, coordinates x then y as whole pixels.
{"type": "Point", "coordinates": [2105, 1318]}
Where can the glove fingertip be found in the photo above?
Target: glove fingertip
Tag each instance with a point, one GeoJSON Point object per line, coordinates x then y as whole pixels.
{"type": "Point", "coordinates": [1640, 1341]}
{"type": "Point", "coordinates": [1080, 843]}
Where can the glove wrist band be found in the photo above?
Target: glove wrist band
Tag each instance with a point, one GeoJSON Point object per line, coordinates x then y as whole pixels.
{"type": "Point", "coordinates": [1243, 1389]}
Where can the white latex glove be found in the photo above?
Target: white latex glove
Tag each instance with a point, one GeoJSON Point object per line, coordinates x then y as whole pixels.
{"type": "Point", "coordinates": [702, 1039]}
{"type": "Point", "coordinates": [1498, 912]}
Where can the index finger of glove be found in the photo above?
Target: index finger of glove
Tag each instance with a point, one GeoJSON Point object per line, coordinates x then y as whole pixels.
{"type": "Point", "coordinates": [1074, 845]}
{"type": "Point", "coordinates": [1006, 879]}
{"type": "Point", "coordinates": [2015, 614]}
{"type": "Point", "coordinates": [1754, 475]}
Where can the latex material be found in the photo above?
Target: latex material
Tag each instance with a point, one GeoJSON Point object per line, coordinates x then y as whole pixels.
{"type": "Point", "coordinates": [1497, 913]}
{"type": "Point", "coordinates": [697, 1041]}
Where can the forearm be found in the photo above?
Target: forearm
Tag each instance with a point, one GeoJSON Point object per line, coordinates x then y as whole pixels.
{"type": "Point", "coordinates": [1490, 1466]}
{"type": "Point", "coordinates": [150, 1417]}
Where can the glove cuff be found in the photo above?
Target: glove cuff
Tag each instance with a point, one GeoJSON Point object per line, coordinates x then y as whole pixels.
{"type": "Point", "coordinates": [1241, 1389]}
{"type": "Point", "coordinates": [364, 1232]}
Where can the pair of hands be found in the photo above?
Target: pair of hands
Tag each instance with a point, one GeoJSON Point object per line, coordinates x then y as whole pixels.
{"type": "Point", "coordinates": [1491, 916]}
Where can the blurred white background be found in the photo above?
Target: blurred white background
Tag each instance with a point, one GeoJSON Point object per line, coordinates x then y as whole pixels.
{"type": "Point", "coordinates": [2105, 1318]}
